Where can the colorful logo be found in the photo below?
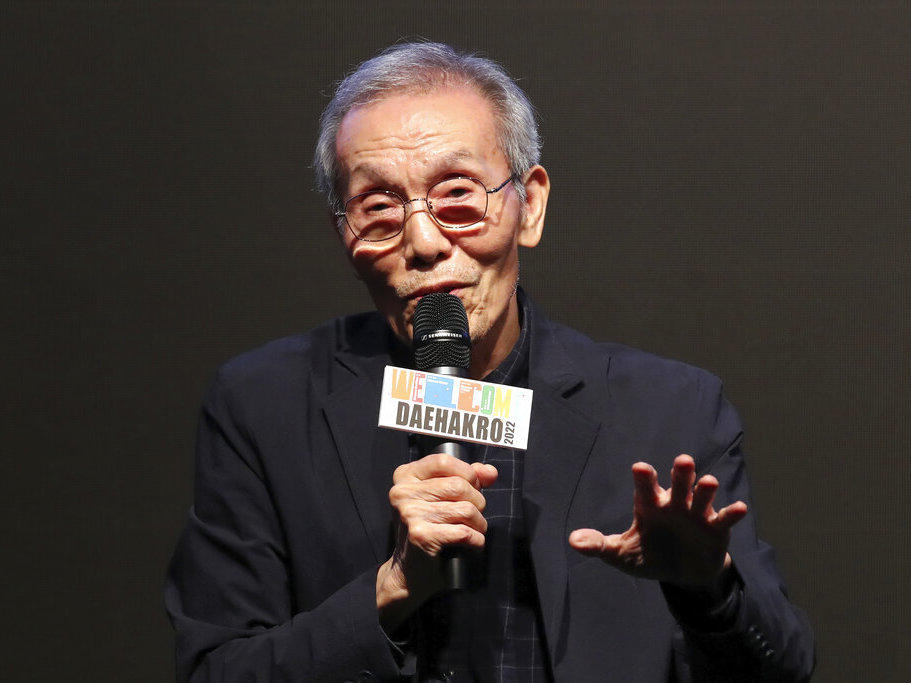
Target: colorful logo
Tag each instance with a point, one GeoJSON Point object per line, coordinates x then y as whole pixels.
{"type": "Point", "coordinates": [455, 407]}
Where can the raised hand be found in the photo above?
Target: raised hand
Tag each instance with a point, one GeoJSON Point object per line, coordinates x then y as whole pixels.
{"type": "Point", "coordinates": [438, 502]}
{"type": "Point", "coordinates": [676, 535]}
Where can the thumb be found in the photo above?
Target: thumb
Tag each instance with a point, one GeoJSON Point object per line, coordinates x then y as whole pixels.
{"type": "Point", "coordinates": [487, 474]}
{"type": "Point", "coordinates": [588, 541]}
{"type": "Point", "coordinates": [593, 543]}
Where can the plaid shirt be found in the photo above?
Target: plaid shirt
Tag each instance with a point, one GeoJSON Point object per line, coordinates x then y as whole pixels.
{"type": "Point", "coordinates": [492, 631]}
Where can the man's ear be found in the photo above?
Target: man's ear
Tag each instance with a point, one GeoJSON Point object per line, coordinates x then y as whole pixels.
{"type": "Point", "coordinates": [537, 190]}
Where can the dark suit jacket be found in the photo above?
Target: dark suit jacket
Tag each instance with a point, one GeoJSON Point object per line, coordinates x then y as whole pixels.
{"type": "Point", "coordinates": [274, 576]}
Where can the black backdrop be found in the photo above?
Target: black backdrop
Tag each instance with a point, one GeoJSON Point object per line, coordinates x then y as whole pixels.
{"type": "Point", "coordinates": [730, 187]}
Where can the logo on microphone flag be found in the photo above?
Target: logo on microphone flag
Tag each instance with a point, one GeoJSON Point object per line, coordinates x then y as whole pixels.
{"type": "Point", "coordinates": [455, 408]}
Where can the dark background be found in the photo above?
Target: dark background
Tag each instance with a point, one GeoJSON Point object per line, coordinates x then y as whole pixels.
{"type": "Point", "coordinates": [730, 187]}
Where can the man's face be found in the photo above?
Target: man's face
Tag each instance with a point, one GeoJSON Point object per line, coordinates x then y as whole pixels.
{"type": "Point", "coordinates": [406, 143]}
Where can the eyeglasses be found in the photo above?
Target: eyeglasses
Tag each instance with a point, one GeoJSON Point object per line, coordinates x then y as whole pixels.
{"type": "Point", "coordinates": [454, 203]}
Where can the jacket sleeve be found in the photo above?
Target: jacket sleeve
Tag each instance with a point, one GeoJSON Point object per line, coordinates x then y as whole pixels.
{"type": "Point", "coordinates": [768, 638]}
{"type": "Point", "coordinates": [228, 591]}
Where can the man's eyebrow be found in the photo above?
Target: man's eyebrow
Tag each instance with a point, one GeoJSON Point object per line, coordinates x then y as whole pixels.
{"type": "Point", "coordinates": [375, 172]}
{"type": "Point", "coordinates": [449, 159]}
{"type": "Point", "coordinates": [452, 157]}
{"type": "Point", "coordinates": [368, 169]}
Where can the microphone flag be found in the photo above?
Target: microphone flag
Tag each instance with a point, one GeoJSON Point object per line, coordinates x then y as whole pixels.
{"type": "Point", "coordinates": [455, 408]}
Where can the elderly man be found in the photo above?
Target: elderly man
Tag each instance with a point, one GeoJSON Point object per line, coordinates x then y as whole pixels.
{"type": "Point", "coordinates": [313, 548]}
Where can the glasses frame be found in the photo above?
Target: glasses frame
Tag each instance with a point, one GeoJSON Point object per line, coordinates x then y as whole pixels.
{"type": "Point", "coordinates": [426, 199]}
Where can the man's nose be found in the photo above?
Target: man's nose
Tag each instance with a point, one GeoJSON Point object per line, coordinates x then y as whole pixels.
{"type": "Point", "coordinates": [423, 239]}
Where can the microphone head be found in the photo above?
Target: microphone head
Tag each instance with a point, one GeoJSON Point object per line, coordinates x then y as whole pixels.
{"type": "Point", "coordinates": [440, 332]}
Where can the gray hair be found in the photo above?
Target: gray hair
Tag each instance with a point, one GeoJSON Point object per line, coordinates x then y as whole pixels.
{"type": "Point", "coordinates": [425, 67]}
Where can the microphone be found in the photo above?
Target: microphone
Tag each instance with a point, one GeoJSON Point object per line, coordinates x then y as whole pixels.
{"type": "Point", "coordinates": [442, 345]}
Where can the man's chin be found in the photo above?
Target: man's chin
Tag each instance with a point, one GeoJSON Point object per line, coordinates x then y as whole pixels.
{"type": "Point", "coordinates": [400, 323]}
{"type": "Point", "coordinates": [402, 329]}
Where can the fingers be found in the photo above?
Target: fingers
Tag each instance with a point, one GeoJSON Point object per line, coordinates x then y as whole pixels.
{"type": "Point", "coordinates": [645, 480]}
{"type": "Point", "coordinates": [436, 465]}
{"type": "Point", "coordinates": [446, 512]}
{"type": "Point", "coordinates": [703, 496]}
{"type": "Point", "coordinates": [729, 516]}
{"type": "Point", "coordinates": [431, 538]}
{"type": "Point", "coordinates": [443, 465]}
{"type": "Point", "coordinates": [683, 474]}
{"type": "Point", "coordinates": [433, 525]}
{"type": "Point", "coordinates": [439, 502]}
{"type": "Point", "coordinates": [437, 489]}
{"type": "Point", "coordinates": [682, 495]}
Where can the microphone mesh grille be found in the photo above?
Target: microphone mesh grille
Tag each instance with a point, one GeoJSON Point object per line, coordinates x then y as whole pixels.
{"type": "Point", "coordinates": [440, 311]}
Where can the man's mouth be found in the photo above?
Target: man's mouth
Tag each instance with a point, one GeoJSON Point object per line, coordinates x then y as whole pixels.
{"type": "Point", "coordinates": [450, 286]}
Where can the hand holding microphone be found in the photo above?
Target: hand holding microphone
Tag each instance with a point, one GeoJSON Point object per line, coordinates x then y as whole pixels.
{"type": "Point", "coordinates": [437, 498]}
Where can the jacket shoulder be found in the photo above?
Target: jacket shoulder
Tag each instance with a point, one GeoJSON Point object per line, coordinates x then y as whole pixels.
{"type": "Point", "coordinates": [631, 366]}
{"type": "Point", "coordinates": [270, 369]}
{"type": "Point", "coordinates": [635, 365]}
{"type": "Point", "coordinates": [673, 406]}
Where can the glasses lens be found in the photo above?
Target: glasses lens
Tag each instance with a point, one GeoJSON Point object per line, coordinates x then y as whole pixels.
{"type": "Point", "coordinates": [458, 202]}
{"type": "Point", "coordinates": [375, 216]}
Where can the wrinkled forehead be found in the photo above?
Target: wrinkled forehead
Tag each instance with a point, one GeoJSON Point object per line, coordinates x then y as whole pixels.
{"type": "Point", "coordinates": [417, 128]}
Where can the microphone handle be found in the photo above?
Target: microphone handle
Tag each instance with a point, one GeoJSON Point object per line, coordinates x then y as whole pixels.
{"type": "Point", "coordinates": [455, 566]}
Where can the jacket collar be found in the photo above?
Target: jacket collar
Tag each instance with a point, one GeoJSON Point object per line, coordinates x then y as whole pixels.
{"type": "Point", "coordinates": [369, 454]}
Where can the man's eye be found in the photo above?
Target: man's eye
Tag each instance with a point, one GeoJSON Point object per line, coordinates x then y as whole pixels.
{"type": "Point", "coordinates": [378, 205]}
{"type": "Point", "coordinates": [456, 189]}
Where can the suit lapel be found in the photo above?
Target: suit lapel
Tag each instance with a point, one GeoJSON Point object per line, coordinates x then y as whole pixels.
{"type": "Point", "coordinates": [369, 454]}
{"type": "Point", "coordinates": [560, 442]}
